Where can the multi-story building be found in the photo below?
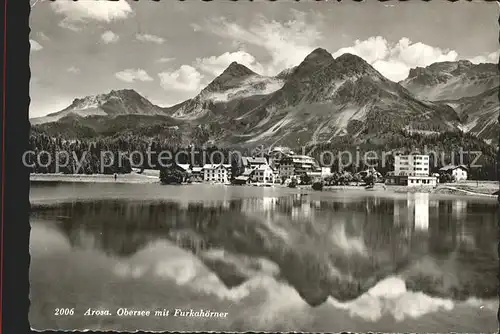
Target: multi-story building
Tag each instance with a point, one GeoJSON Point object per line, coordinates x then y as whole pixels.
{"type": "Point", "coordinates": [255, 162]}
{"type": "Point", "coordinates": [278, 153]}
{"type": "Point", "coordinates": [251, 163]}
{"type": "Point", "coordinates": [297, 164]}
{"type": "Point", "coordinates": [218, 173]}
{"type": "Point", "coordinates": [411, 170]}
{"type": "Point", "coordinates": [411, 165]}
{"type": "Point", "coordinates": [263, 174]}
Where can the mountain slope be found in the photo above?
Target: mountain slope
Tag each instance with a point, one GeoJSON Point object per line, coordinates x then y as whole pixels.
{"type": "Point", "coordinates": [479, 114]}
{"type": "Point", "coordinates": [114, 103]}
{"type": "Point", "coordinates": [325, 97]}
{"type": "Point", "coordinates": [451, 80]}
{"type": "Point", "coordinates": [235, 83]}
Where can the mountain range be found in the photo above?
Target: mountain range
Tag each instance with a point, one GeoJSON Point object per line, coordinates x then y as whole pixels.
{"type": "Point", "coordinates": [319, 100]}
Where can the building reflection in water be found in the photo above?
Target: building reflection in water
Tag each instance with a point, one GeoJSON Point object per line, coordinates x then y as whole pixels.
{"type": "Point", "coordinates": [390, 230]}
{"type": "Point", "coordinates": [439, 226]}
{"type": "Point", "coordinates": [459, 212]}
{"type": "Point", "coordinates": [413, 212]}
{"type": "Point", "coordinates": [402, 214]}
{"type": "Point", "coordinates": [302, 211]}
{"type": "Point", "coordinates": [459, 209]}
{"type": "Point", "coordinates": [264, 204]}
{"type": "Point", "coordinates": [421, 211]}
{"type": "Point", "coordinates": [443, 223]}
{"type": "Point", "coordinates": [269, 203]}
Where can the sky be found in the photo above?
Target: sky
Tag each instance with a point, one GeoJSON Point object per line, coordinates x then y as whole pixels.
{"type": "Point", "coordinates": [169, 50]}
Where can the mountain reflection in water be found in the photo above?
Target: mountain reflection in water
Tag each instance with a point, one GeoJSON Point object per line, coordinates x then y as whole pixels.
{"type": "Point", "coordinates": [321, 248]}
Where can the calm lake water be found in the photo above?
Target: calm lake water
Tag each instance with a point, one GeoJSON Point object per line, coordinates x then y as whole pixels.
{"type": "Point", "coordinates": [271, 258]}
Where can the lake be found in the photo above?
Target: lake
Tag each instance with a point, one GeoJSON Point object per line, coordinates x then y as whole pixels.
{"type": "Point", "coordinates": [256, 259]}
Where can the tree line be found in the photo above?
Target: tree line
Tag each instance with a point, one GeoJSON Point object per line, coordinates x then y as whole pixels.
{"type": "Point", "coordinates": [117, 154]}
{"type": "Point", "coordinates": [443, 149]}
{"type": "Point", "coordinates": [114, 154]}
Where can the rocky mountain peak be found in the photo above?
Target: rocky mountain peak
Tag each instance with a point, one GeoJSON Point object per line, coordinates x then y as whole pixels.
{"type": "Point", "coordinates": [236, 69]}
{"type": "Point", "coordinates": [231, 77]}
{"type": "Point", "coordinates": [451, 80]}
{"type": "Point", "coordinates": [318, 55]}
{"type": "Point", "coordinates": [350, 59]}
{"type": "Point", "coordinates": [315, 60]}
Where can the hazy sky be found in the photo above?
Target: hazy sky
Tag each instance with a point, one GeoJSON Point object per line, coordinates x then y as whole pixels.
{"type": "Point", "coordinates": [169, 50]}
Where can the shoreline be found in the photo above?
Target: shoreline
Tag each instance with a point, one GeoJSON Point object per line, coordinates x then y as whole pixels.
{"type": "Point", "coordinates": [484, 189]}
{"type": "Point", "coordinates": [95, 178]}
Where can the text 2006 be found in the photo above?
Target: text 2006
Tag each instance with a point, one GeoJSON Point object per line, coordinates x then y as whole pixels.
{"type": "Point", "coordinates": [64, 311]}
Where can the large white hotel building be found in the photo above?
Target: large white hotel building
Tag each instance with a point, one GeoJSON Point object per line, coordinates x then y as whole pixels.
{"type": "Point", "coordinates": [411, 170]}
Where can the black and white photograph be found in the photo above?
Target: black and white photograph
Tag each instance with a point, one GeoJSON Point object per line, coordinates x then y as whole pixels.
{"type": "Point", "coordinates": [304, 166]}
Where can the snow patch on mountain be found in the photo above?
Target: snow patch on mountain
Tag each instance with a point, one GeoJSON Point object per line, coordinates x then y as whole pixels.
{"type": "Point", "coordinates": [451, 80]}
{"type": "Point", "coordinates": [114, 103]}
{"type": "Point", "coordinates": [255, 85]}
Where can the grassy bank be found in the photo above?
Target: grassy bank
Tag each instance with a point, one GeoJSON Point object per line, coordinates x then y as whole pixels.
{"type": "Point", "coordinates": [466, 188]}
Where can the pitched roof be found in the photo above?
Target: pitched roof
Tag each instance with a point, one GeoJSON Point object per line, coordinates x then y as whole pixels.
{"type": "Point", "coordinates": [215, 166]}
{"type": "Point", "coordinates": [248, 172]}
{"type": "Point", "coordinates": [257, 160]}
{"type": "Point", "coordinates": [184, 166]}
{"type": "Point", "coordinates": [264, 167]}
{"type": "Point", "coordinates": [452, 167]}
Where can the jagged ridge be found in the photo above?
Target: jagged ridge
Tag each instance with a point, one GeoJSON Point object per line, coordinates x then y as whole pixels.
{"type": "Point", "coordinates": [320, 99]}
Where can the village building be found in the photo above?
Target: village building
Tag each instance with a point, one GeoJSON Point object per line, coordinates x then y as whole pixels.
{"type": "Point", "coordinates": [411, 170]}
{"type": "Point", "coordinates": [415, 181]}
{"type": "Point", "coordinates": [174, 174]}
{"type": "Point", "coordinates": [459, 173]}
{"type": "Point", "coordinates": [241, 180]}
{"type": "Point", "coordinates": [197, 174]}
{"type": "Point", "coordinates": [276, 174]}
{"type": "Point", "coordinates": [298, 164]}
{"type": "Point", "coordinates": [411, 165]}
{"type": "Point", "coordinates": [326, 171]}
{"type": "Point", "coordinates": [263, 174]}
{"type": "Point", "coordinates": [284, 151]}
{"type": "Point", "coordinates": [186, 168]}
{"type": "Point", "coordinates": [255, 162]}
{"type": "Point", "coordinates": [218, 173]}
{"type": "Point", "coordinates": [251, 163]}
{"type": "Point", "coordinates": [244, 178]}
{"type": "Point", "coordinates": [278, 153]}
{"type": "Point", "coordinates": [369, 171]}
